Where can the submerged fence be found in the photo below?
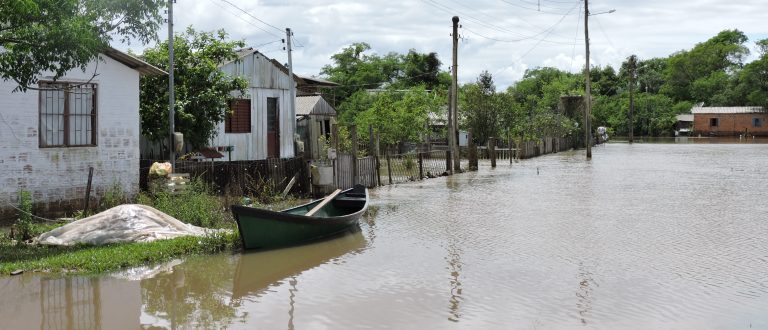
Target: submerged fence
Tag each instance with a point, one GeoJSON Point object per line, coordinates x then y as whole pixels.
{"type": "Point", "coordinates": [242, 177]}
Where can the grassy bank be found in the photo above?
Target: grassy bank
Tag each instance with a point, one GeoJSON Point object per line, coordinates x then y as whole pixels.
{"type": "Point", "coordinates": [95, 259]}
{"type": "Point", "coordinates": [197, 206]}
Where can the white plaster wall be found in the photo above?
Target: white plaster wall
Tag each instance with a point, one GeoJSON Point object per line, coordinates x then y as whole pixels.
{"type": "Point", "coordinates": [59, 175]}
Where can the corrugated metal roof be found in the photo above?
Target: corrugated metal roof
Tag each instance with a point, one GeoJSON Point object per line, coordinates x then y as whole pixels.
{"type": "Point", "coordinates": [134, 63]}
{"type": "Point", "coordinates": [685, 117]}
{"type": "Point", "coordinates": [312, 81]}
{"type": "Point", "coordinates": [725, 110]}
{"type": "Point", "coordinates": [313, 105]}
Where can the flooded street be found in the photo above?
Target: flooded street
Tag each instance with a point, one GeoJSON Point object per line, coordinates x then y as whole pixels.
{"type": "Point", "coordinates": [644, 236]}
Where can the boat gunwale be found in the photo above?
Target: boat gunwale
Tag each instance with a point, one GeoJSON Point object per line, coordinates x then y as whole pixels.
{"type": "Point", "coordinates": [281, 216]}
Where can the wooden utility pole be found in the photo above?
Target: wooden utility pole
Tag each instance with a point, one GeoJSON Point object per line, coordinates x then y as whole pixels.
{"type": "Point", "coordinates": [171, 97]}
{"type": "Point", "coordinates": [292, 86]}
{"type": "Point", "coordinates": [455, 96]}
{"type": "Point", "coordinates": [588, 99]}
{"type": "Point", "coordinates": [632, 61]}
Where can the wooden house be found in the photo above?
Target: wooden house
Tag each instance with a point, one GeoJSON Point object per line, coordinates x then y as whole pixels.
{"type": "Point", "coordinates": [315, 117]}
{"type": "Point", "coordinates": [730, 121]}
{"type": "Point", "coordinates": [54, 134]}
{"type": "Point", "coordinates": [261, 124]}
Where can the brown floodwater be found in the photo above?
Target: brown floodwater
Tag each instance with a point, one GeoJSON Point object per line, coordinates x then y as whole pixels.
{"type": "Point", "coordinates": [644, 236]}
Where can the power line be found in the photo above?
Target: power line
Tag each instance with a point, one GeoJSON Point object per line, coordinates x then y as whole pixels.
{"type": "Point", "coordinates": [546, 31]}
{"type": "Point", "coordinates": [553, 27]}
{"type": "Point", "coordinates": [604, 34]}
{"type": "Point", "coordinates": [576, 38]}
{"type": "Point", "coordinates": [254, 17]}
{"type": "Point", "coordinates": [531, 9]}
{"type": "Point", "coordinates": [243, 19]}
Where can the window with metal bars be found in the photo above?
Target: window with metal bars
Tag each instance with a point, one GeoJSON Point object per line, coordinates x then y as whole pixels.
{"type": "Point", "coordinates": [239, 119]}
{"type": "Point", "coordinates": [67, 114]}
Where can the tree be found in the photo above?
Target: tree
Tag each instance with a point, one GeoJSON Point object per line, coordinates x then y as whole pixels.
{"type": "Point", "coordinates": [480, 108]}
{"type": "Point", "coordinates": [202, 91]}
{"type": "Point", "coordinates": [60, 35]}
{"type": "Point", "coordinates": [400, 116]}
{"type": "Point", "coordinates": [354, 70]}
{"type": "Point", "coordinates": [723, 53]}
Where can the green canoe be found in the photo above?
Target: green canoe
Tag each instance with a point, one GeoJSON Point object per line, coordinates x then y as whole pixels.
{"type": "Point", "coordinates": [265, 229]}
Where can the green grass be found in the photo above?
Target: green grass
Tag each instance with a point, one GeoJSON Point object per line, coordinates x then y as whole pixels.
{"type": "Point", "coordinates": [96, 259]}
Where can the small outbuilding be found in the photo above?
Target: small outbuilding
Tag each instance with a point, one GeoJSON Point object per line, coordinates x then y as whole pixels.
{"type": "Point", "coordinates": [314, 117]}
{"type": "Point", "coordinates": [261, 124]}
{"type": "Point", "coordinates": [730, 121]}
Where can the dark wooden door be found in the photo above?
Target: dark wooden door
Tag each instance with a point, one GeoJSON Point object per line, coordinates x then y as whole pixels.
{"type": "Point", "coordinates": [273, 128]}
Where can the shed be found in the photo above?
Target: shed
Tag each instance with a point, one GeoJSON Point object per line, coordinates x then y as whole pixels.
{"type": "Point", "coordinates": [261, 124]}
{"type": "Point", "coordinates": [315, 117]}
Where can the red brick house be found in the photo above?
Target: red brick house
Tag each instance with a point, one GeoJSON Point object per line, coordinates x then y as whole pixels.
{"type": "Point", "coordinates": [730, 121]}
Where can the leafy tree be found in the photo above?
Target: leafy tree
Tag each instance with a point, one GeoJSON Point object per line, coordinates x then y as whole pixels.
{"type": "Point", "coordinates": [480, 107]}
{"type": "Point", "coordinates": [202, 91]}
{"type": "Point", "coordinates": [400, 116]}
{"type": "Point", "coordinates": [59, 35]}
{"type": "Point", "coordinates": [423, 69]}
{"type": "Point", "coordinates": [752, 83]}
{"type": "Point", "coordinates": [354, 70]}
{"type": "Point", "coordinates": [723, 53]}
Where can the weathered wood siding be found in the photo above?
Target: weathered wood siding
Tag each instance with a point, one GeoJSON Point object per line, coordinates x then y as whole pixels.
{"type": "Point", "coordinates": [266, 80]}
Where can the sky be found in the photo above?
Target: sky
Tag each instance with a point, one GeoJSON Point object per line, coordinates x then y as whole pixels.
{"type": "Point", "coordinates": [504, 37]}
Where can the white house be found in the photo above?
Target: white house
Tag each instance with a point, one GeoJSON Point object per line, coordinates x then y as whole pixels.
{"type": "Point", "coordinates": [51, 135]}
{"type": "Point", "coordinates": [261, 125]}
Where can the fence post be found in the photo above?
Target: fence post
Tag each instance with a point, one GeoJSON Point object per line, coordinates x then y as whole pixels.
{"type": "Point", "coordinates": [88, 191]}
{"type": "Point", "coordinates": [448, 162]}
{"type": "Point", "coordinates": [378, 162]}
{"type": "Point", "coordinates": [492, 150]}
{"type": "Point", "coordinates": [335, 133]}
{"type": "Point", "coordinates": [389, 167]}
{"type": "Point", "coordinates": [472, 151]}
{"type": "Point", "coordinates": [353, 133]}
{"type": "Point", "coordinates": [421, 166]}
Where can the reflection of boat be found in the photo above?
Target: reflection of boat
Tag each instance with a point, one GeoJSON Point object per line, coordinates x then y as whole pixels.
{"type": "Point", "coordinates": [257, 270]}
{"type": "Point", "coordinates": [260, 228]}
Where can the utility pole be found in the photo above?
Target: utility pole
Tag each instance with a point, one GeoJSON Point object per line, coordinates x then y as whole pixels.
{"type": "Point", "coordinates": [632, 67]}
{"type": "Point", "coordinates": [455, 98]}
{"type": "Point", "coordinates": [588, 100]}
{"type": "Point", "coordinates": [171, 97]}
{"type": "Point", "coordinates": [292, 84]}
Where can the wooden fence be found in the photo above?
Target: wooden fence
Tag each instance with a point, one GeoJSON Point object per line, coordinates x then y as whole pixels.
{"type": "Point", "coordinates": [243, 177]}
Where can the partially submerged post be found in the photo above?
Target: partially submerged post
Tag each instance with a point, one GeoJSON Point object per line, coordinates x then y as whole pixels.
{"type": "Point", "coordinates": [472, 154]}
{"type": "Point", "coordinates": [353, 134]}
{"type": "Point", "coordinates": [492, 150]}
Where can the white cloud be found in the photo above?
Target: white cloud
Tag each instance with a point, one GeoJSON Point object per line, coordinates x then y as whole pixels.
{"type": "Point", "coordinates": [650, 28]}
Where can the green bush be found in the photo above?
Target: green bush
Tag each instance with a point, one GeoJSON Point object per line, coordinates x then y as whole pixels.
{"type": "Point", "coordinates": [24, 223]}
{"type": "Point", "coordinates": [195, 205]}
{"type": "Point", "coordinates": [114, 196]}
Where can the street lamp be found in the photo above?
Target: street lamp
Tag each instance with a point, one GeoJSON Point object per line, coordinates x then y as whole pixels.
{"type": "Point", "coordinates": [588, 101]}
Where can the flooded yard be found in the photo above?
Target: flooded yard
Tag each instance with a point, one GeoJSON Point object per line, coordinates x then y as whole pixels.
{"type": "Point", "coordinates": [644, 236]}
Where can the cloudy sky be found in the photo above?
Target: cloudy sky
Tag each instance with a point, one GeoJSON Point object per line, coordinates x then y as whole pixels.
{"type": "Point", "coordinates": [505, 37]}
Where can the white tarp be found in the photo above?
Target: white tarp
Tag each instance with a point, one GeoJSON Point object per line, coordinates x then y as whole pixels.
{"type": "Point", "coordinates": [122, 224]}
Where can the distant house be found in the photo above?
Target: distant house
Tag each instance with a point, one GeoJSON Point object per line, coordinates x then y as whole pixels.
{"type": "Point", "coordinates": [313, 86]}
{"type": "Point", "coordinates": [730, 121]}
{"type": "Point", "coordinates": [51, 135]}
{"type": "Point", "coordinates": [261, 124]}
{"type": "Point", "coordinates": [684, 124]}
{"type": "Point", "coordinates": [314, 117]}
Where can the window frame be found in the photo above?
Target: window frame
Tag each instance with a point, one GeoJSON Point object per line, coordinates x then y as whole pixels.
{"type": "Point", "coordinates": [714, 122]}
{"type": "Point", "coordinates": [67, 86]}
{"type": "Point", "coordinates": [757, 122]}
{"type": "Point", "coordinates": [228, 129]}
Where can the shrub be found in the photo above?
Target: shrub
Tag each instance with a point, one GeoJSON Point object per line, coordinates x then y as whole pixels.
{"type": "Point", "coordinates": [195, 205]}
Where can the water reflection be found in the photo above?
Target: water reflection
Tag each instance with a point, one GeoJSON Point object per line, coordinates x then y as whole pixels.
{"type": "Point", "coordinates": [72, 302]}
{"type": "Point", "coordinates": [257, 272]}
